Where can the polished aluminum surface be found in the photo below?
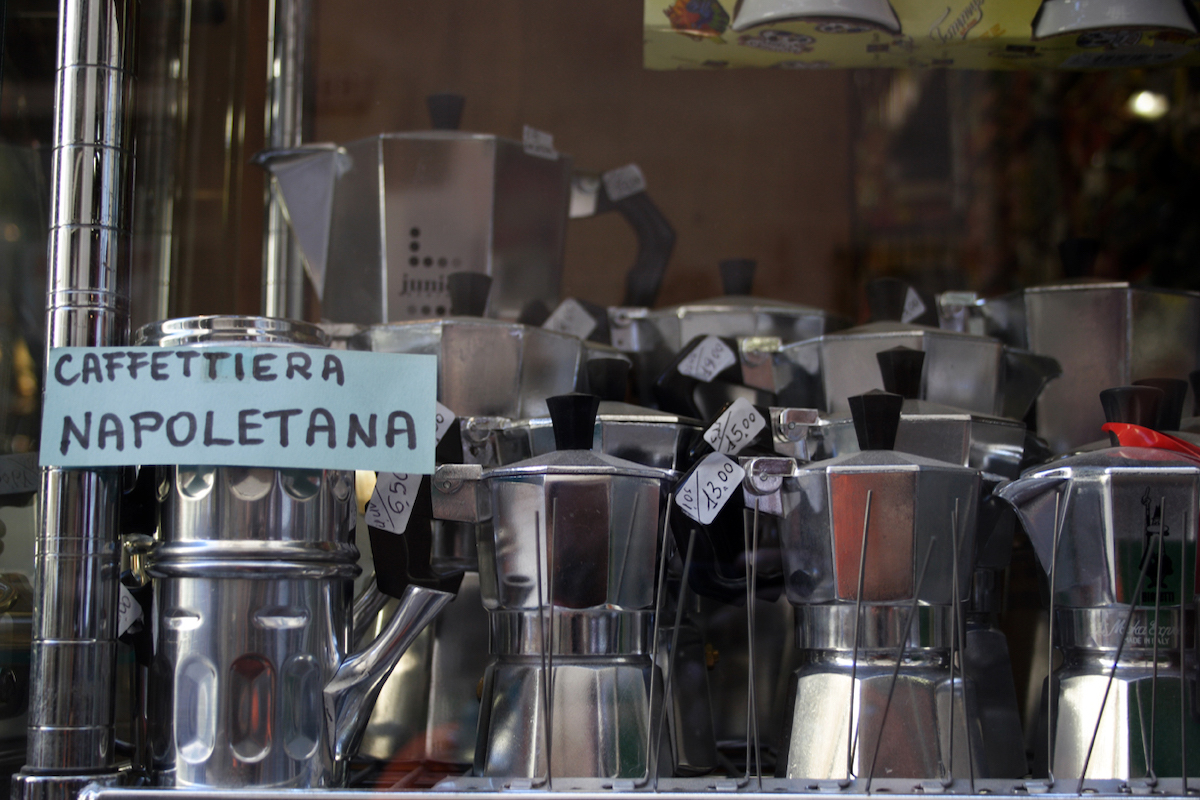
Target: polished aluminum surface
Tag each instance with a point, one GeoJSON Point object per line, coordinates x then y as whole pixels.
{"type": "Point", "coordinates": [968, 372]}
{"type": "Point", "coordinates": [969, 439]}
{"type": "Point", "coordinates": [1103, 335]}
{"type": "Point", "coordinates": [73, 653]}
{"type": "Point", "coordinates": [488, 368]}
{"type": "Point", "coordinates": [392, 215]}
{"type": "Point", "coordinates": [1115, 531]}
{"type": "Point", "coordinates": [227, 330]}
{"type": "Point", "coordinates": [654, 336]}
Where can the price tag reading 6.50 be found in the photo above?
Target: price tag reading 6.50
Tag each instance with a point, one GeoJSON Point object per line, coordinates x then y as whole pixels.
{"type": "Point", "coordinates": [392, 501]}
{"type": "Point", "coordinates": [708, 487]}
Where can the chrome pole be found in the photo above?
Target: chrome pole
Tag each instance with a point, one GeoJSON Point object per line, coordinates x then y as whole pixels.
{"type": "Point", "coordinates": [287, 82]}
{"type": "Point", "coordinates": [73, 658]}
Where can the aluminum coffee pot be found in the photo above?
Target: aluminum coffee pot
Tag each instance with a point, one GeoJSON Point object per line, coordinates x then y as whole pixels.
{"type": "Point", "coordinates": [568, 578]}
{"type": "Point", "coordinates": [874, 542]}
{"type": "Point", "coordinates": [1115, 531]}
{"type": "Point", "coordinates": [252, 684]}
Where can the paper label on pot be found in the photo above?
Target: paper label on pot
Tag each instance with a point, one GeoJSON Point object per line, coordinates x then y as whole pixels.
{"type": "Point", "coordinates": [444, 418]}
{"type": "Point", "coordinates": [391, 503]}
{"type": "Point", "coordinates": [914, 307]}
{"type": "Point", "coordinates": [129, 610]}
{"type": "Point", "coordinates": [258, 406]}
{"type": "Point", "coordinates": [735, 428]}
{"type": "Point", "coordinates": [708, 487]}
{"type": "Point", "coordinates": [572, 319]}
{"type": "Point", "coordinates": [708, 359]}
{"type": "Point", "coordinates": [19, 473]}
{"type": "Point", "coordinates": [624, 182]}
{"type": "Point", "coordinates": [538, 143]}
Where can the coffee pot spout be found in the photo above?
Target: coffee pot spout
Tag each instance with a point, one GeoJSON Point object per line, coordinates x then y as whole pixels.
{"type": "Point", "coordinates": [350, 694]}
{"type": "Point", "coordinates": [304, 180]}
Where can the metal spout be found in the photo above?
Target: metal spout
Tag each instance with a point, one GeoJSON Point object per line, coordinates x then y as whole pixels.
{"type": "Point", "coordinates": [351, 693]}
{"type": "Point", "coordinates": [305, 179]}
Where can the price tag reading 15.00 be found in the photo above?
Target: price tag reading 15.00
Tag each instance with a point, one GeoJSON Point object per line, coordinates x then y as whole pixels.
{"type": "Point", "coordinates": [706, 490]}
{"type": "Point", "coordinates": [736, 428]}
{"type": "Point", "coordinates": [707, 359]}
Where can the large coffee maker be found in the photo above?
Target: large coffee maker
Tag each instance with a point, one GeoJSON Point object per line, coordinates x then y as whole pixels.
{"type": "Point", "coordinates": [1115, 532]}
{"type": "Point", "coordinates": [567, 575]}
{"type": "Point", "coordinates": [878, 551]}
{"type": "Point", "coordinates": [252, 684]}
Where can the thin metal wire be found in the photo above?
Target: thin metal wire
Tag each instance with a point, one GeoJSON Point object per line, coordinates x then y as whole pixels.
{"type": "Point", "coordinates": [958, 619]}
{"type": "Point", "coordinates": [1059, 515]}
{"type": "Point", "coordinates": [912, 612]}
{"type": "Point", "coordinates": [1112, 673]}
{"type": "Point", "coordinates": [852, 733]}
{"type": "Point", "coordinates": [753, 694]}
{"type": "Point", "coordinates": [651, 754]}
{"type": "Point", "coordinates": [687, 568]}
{"type": "Point", "coordinates": [537, 545]}
{"type": "Point", "coordinates": [628, 545]}
{"type": "Point", "coordinates": [1152, 773]}
{"type": "Point", "coordinates": [751, 716]}
{"type": "Point", "coordinates": [550, 647]}
{"type": "Point", "coordinates": [953, 630]}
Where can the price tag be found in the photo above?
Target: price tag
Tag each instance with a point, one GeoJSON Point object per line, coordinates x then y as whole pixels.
{"type": "Point", "coordinates": [538, 143]}
{"type": "Point", "coordinates": [624, 182]}
{"type": "Point", "coordinates": [19, 473]}
{"type": "Point", "coordinates": [392, 501]}
{"type": "Point", "coordinates": [913, 306]}
{"type": "Point", "coordinates": [736, 428]}
{"type": "Point", "coordinates": [571, 318]}
{"type": "Point", "coordinates": [706, 490]}
{"type": "Point", "coordinates": [708, 359]}
{"type": "Point", "coordinates": [129, 610]}
{"type": "Point", "coordinates": [444, 418]}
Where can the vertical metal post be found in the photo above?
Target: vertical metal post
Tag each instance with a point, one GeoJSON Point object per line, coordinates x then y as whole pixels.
{"type": "Point", "coordinates": [287, 81]}
{"type": "Point", "coordinates": [76, 565]}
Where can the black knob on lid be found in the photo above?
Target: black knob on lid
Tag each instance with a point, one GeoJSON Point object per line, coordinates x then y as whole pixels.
{"type": "Point", "coordinates": [737, 275]}
{"type": "Point", "coordinates": [1170, 407]}
{"type": "Point", "coordinates": [574, 419]}
{"type": "Point", "coordinates": [901, 369]}
{"type": "Point", "coordinates": [608, 377]}
{"type": "Point", "coordinates": [468, 293]}
{"type": "Point", "coordinates": [445, 110]}
{"type": "Point", "coordinates": [1135, 405]}
{"type": "Point", "coordinates": [1078, 257]}
{"type": "Point", "coordinates": [876, 419]}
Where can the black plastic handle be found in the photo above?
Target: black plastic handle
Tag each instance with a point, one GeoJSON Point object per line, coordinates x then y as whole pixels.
{"type": "Point", "coordinates": [445, 110]}
{"type": "Point", "coordinates": [574, 418]}
{"type": "Point", "coordinates": [656, 242]}
{"type": "Point", "coordinates": [608, 377]}
{"type": "Point", "coordinates": [876, 419]}
{"type": "Point", "coordinates": [737, 276]}
{"type": "Point", "coordinates": [901, 369]}
{"type": "Point", "coordinates": [1170, 407]}
{"type": "Point", "coordinates": [468, 293]}
{"type": "Point", "coordinates": [1135, 405]}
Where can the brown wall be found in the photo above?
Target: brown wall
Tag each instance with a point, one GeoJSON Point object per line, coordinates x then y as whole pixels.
{"type": "Point", "coordinates": [743, 163]}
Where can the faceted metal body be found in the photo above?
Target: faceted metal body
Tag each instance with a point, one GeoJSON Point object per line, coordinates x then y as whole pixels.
{"type": "Point", "coordinates": [1116, 507]}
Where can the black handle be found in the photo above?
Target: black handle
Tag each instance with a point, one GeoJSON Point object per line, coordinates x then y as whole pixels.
{"type": "Point", "coordinates": [574, 418]}
{"type": "Point", "coordinates": [1135, 405]}
{"type": "Point", "coordinates": [876, 419]}
{"type": "Point", "coordinates": [676, 392]}
{"type": "Point", "coordinates": [403, 560]}
{"type": "Point", "coordinates": [1078, 257]}
{"type": "Point", "coordinates": [608, 377]}
{"type": "Point", "coordinates": [737, 276]}
{"type": "Point", "coordinates": [468, 293]}
{"type": "Point", "coordinates": [901, 370]}
{"type": "Point", "coordinates": [1194, 379]}
{"type": "Point", "coordinates": [445, 110]}
{"type": "Point", "coordinates": [1170, 407]}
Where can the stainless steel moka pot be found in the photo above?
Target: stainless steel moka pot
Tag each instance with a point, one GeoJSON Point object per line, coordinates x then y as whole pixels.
{"type": "Point", "coordinates": [878, 550]}
{"type": "Point", "coordinates": [568, 579]}
{"type": "Point", "coordinates": [252, 684]}
{"type": "Point", "coordinates": [1115, 532]}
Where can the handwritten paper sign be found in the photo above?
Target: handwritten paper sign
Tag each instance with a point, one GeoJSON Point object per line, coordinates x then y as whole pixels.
{"type": "Point", "coordinates": [249, 406]}
{"type": "Point", "coordinates": [19, 473]}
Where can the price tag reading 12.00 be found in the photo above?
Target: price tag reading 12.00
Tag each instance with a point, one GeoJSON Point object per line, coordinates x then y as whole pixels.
{"type": "Point", "coordinates": [707, 359]}
{"type": "Point", "coordinates": [706, 490]}
{"type": "Point", "coordinates": [736, 428]}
